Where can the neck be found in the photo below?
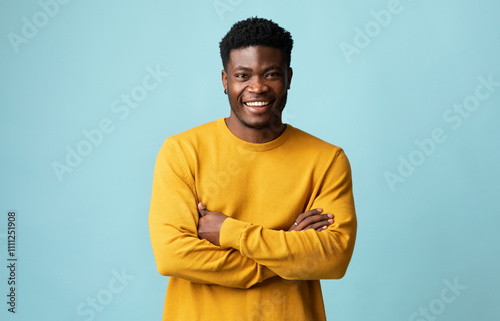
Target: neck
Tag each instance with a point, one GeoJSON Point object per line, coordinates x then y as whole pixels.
{"type": "Point", "coordinates": [255, 135]}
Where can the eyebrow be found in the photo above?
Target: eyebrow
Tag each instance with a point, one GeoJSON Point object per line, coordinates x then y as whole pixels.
{"type": "Point", "coordinates": [241, 68]}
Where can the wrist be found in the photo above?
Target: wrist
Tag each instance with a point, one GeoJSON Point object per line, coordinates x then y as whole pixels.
{"type": "Point", "coordinates": [230, 233]}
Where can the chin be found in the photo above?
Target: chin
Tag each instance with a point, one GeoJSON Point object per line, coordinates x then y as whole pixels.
{"type": "Point", "coordinates": [258, 125]}
{"type": "Point", "coordinates": [251, 122]}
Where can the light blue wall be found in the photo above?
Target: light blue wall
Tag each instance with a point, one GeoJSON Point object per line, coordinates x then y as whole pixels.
{"type": "Point", "coordinates": [64, 70]}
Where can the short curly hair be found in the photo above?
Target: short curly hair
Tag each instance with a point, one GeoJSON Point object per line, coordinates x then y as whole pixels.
{"type": "Point", "coordinates": [256, 32]}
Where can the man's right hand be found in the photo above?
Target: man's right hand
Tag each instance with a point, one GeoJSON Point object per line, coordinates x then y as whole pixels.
{"type": "Point", "coordinates": [312, 219]}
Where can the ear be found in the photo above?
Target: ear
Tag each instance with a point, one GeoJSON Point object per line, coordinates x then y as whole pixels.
{"type": "Point", "coordinates": [290, 74]}
{"type": "Point", "coordinates": [224, 79]}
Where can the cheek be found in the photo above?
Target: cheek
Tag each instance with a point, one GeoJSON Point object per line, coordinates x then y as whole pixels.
{"type": "Point", "coordinates": [236, 91]}
{"type": "Point", "coordinates": [280, 89]}
{"type": "Point", "coordinates": [234, 100]}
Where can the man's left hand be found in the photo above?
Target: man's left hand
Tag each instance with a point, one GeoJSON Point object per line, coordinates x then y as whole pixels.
{"type": "Point", "coordinates": [210, 224]}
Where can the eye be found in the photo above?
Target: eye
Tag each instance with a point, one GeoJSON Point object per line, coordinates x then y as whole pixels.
{"type": "Point", "coordinates": [241, 76]}
{"type": "Point", "coordinates": [273, 75]}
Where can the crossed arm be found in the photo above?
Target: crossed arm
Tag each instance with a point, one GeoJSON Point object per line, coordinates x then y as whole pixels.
{"type": "Point", "coordinates": [184, 237]}
{"type": "Point", "coordinates": [210, 223]}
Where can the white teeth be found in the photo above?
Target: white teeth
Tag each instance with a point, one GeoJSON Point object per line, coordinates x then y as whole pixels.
{"type": "Point", "coordinates": [257, 103]}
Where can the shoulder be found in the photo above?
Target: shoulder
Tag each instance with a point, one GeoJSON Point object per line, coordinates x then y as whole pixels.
{"type": "Point", "coordinates": [191, 140]}
{"type": "Point", "coordinates": [198, 132]}
{"type": "Point", "coordinates": [309, 143]}
{"type": "Point", "coordinates": [322, 155]}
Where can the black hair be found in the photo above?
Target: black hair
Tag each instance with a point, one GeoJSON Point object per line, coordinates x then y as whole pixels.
{"type": "Point", "coordinates": [256, 32]}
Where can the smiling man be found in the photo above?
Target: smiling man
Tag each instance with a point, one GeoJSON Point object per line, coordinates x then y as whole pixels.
{"type": "Point", "coordinates": [256, 79]}
{"type": "Point", "coordinates": [247, 213]}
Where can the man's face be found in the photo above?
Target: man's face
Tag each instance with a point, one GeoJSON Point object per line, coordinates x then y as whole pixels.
{"type": "Point", "coordinates": [257, 79]}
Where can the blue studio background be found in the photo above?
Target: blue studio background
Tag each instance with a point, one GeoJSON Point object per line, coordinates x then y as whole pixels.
{"type": "Point", "coordinates": [410, 90]}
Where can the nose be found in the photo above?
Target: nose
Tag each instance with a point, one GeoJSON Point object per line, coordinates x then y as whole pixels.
{"type": "Point", "coordinates": [257, 85]}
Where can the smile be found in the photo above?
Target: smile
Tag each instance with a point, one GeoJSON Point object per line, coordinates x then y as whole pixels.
{"type": "Point", "coordinates": [257, 103]}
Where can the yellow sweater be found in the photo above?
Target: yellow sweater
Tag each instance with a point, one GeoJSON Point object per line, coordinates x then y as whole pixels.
{"type": "Point", "coordinates": [260, 271]}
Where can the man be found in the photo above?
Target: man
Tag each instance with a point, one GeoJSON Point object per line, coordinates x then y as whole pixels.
{"type": "Point", "coordinates": [248, 213]}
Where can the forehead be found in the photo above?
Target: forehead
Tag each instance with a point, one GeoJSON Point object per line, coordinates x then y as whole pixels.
{"type": "Point", "coordinates": [255, 56]}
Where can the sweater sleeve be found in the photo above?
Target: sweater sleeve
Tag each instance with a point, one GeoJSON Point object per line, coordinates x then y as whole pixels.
{"type": "Point", "coordinates": [305, 255]}
{"type": "Point", "coordinates": [173, 222]}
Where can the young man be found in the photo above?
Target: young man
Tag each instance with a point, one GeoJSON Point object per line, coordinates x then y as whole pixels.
{"type": "Point", "coordinates": [247, 213]}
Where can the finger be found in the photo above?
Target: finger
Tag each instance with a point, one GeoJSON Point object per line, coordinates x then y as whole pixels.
{"type": "Point", "coordinates": [310, 220]}
{"type": "Point", "coordinates": [307, 214]}
{"type": "Point", "coordinates": [321, 228]}
{"type": "Point", "coordinates": [294, 226]}
{"type": "Point", "coordinates": [320, 225]}
{"type": "Point", "coordinates": [202, 209]}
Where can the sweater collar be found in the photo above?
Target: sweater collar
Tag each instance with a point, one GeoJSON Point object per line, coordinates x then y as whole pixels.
{"type": "Point", "coordinates": [253, 146]}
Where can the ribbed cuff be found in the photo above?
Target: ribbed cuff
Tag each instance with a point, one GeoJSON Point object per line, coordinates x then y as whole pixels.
{"type": "Point", "coordinates": [230, 233]}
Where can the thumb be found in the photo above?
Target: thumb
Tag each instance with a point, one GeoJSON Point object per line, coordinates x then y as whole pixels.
{"type": "Point", "coordinates": [202, 209]}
